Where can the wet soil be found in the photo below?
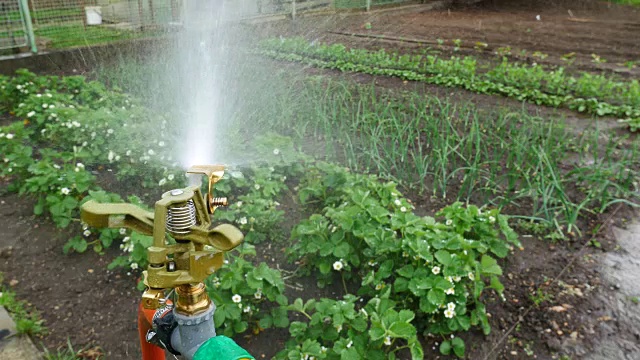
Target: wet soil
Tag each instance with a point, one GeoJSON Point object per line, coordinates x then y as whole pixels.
{"type": "Point", "coordinates": [582, 28]}
{"type": "Point", "coordinates": [584, 310]}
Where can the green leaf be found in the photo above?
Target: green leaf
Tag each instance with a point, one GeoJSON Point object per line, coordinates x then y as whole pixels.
{"type": "Point", "coordinates": [458, 347]}
{"type": "Point", "coordinates": [402, 330]}
{"type": "Point", "coordinates": [342, 250]}
{"type": "Point", "coordinates": [489, 265]}
{"type": "Point", "coordinates": [436, 296]}
{"type": "Point", "coordinates": [376, 333]}
{"type": "Point", "coordinates": [443, 257]}
{"type": "Point", "coordinates": [445, 347]}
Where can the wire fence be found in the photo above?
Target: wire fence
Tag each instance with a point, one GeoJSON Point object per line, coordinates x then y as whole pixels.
{"type": "Point", "coordinates": [50, 24]}
{"type": "Point", "coordinates": [13, 34]}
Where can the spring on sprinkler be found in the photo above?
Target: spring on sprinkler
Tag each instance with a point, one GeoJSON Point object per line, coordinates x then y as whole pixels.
{"type": "Point", "coordinates": [181, 218]}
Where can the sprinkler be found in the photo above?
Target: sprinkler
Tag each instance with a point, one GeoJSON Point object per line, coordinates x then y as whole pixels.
{"type": "Point", "coordinates": [175, 312]}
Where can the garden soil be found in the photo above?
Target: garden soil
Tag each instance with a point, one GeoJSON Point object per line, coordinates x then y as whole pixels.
{"type": "Point", "coordinates": [560, 298]}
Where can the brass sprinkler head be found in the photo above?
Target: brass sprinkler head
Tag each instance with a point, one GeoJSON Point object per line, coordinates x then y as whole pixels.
{"type": "Point", "coordinates": [184, 215]}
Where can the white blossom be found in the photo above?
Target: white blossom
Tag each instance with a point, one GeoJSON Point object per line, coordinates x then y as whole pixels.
{"type": "Point", "coordinates": [435, 270]}
{"type": "Point", "coordinates": [338, 265]}
{"type": "Point", "coordinates": [276, 151]}
{"type": "Point", "coordinates": [449, 314]}
{"type": "Point", "coordinates": [387, 341]}
{"type": "Point", "coordinates": [397, 202]}
{"type": "Point", "coordinates": [450, 291]}
{"type": "Point", "coordinates": [492, 219]}
{"type": "Point", "coordinates": [161, 143]}
{"type": "Point", "coordinates": [10, 136]}
{"type": "Point", "coordinates": [109, 131]}
{"type": "Point", "coordinates": [258, 294]}
{"type": "Point", "coordinates": [403, 209]}
{"type": "Point", "coordinates": [65, 191]}
{"type": "Point", "coordinates": [123, 231]}
{"type": "Point", "coordinates": [134, 266]}
{"type": "Point", "coordinates": [448, 222]}
{"type": "Point", "coordinates": [31, 113]}
{"type": "Point", "coordinates": [236, 298]}
{"type": "Point", "coordinates": [162, 181]}
{"type": "Point", "coordinates": [151, 152]}
{"type": "Point", "coordinates": [451, 306]}
{"type": "Point", "coordinates": [242, 221]}
{"type": "Point", "coordinates": [170, 177]}
{"type": "Point", "coordinates": [87, 232]}
{"type": "Point", "coordinates": [471, 276]}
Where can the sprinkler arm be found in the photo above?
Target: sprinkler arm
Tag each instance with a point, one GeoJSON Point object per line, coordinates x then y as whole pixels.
{"type": "Point", "coordinates": [117, 216]}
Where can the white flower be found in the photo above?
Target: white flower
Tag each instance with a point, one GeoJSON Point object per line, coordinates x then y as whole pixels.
{"type": "Point", "coordinates": [323, 349]}
{"type": "Point", "coordinates": [49, 95]}
{"type": "Point", "coordinates": [258, 294]}
{"type": "Point", "coordinates": [471, 276]}
{"type": "Point", "coordinates": [151, 152]}
{"type": "Point", "coordinates": [123, 231]}
{"type": "Point", "coordinates": [448, 222]}
{"type": "Point", "coordinates": [161, 143]}
{"type": "Point", "coordinates": [236, 298]}
{"type": "Point", "coordinates": [492, 219]}
{"type": "Point", "coordinates": [538, 17]}
{"type": "Point", "coordinates": [387, 341]}
{"type": "Point", "coordinates": [380, 286]}
{"type": "Point", "coordinates": [451, 306]}
{"type": "Point", "coordinates": [93, 134]}
{"type": "Point", "coordinates": [109, 131]}
{"type": "Point", "coordinates": [111, 155]}
{"type": "Point", "coordinates": [117, 158]}
{"type": "Point", "coordinates": [31, 113]}
{"type": "Point", "coordinates": [256, 186]}
{"type": "Point", "coordinates": [128, 153]}
{"type": "Point", "coordinates": [126, 239]}
{"type": "Point", "coordinates": [51, 106]}
{"type": "Point", "coordinates": [456, 278]}
{"type": "Point", "coordinates": [247, 309]}
{"type": "Point", "coordinates": [403, 209]}
{"type": "Point", "coordinates": [134, 266]}
{"type": "Point", "coordinates": [338, 265]}
{"type": "Point", "coordinates": [239, 203]}
{"type": "Point", "coordinates": [87, 232]}
{"type": "Point", "coordinates": [397, 202]}
{"type": "Point", "coordinates": [450, 291]}
{"type": "Point", "coordinates": [80, 165]}
{"type": "Point", "coordinates": [170, 177]}
{"type": "Point", "coordinates": [242, 221]}
{"type": "Point", "coordinates": [75, 123]}
{"type": "Point", "coordinates": [364, 312]}
{"type": "Point", "coordinates": [449, 314]}
{"type": "Point", "coordinates": [10, 136]}
{"type": "Point", "coordinates": [65, 191]}
{"type": "Point", "coordinates": [465, 252]}
{"type": "Point", "coordinates": [339, 328]}
{"type": "Point", "coordinates": [162, 181]}
{"type": "Point", "coordinates": [44, 106]}
{"type": "Point", "coordinates": [435, 270]}
{"type": "Point", "coordinates": [276, 151]}
{"type": "Point", "coordinates": [349, 344]}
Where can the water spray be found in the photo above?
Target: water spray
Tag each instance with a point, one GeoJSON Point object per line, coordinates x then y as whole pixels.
{"type": "Point", "coordinates": [175, 312]}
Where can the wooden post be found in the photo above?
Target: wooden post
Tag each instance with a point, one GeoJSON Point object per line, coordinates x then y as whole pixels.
{"type": "Point", "coordinates": [368, 5]}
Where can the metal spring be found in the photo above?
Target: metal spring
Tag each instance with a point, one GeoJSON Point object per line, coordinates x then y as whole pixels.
{"type": "Point", "coordinates": [181, 218]}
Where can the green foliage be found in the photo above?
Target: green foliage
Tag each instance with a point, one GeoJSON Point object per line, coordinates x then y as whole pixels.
{"type": "Point", "coordinates": [594, 94]}
{"type": "Point", "coordinates": [368, 234]}
{"type": "Point", "coordinates": [337, 329]}
{"type": "Point", "coordinates": [246, 295]}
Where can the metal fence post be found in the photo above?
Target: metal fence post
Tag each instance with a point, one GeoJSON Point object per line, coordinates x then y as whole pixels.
{"type": "Point", "coordinates": [293, 9]}
{"type": "Point", "coordinates": [24, 9]}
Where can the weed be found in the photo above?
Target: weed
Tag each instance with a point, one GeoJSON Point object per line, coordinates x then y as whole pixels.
{"type": "Point", "coordinates": [27, 321]}
{"type": "Point", "coordinates": [540, 296]}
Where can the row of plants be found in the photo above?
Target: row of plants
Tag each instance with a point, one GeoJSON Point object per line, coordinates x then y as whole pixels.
{"type": "Point", "coordinates": [592, 94]}
{"type": "Point", "coordinates": [70, 132]}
